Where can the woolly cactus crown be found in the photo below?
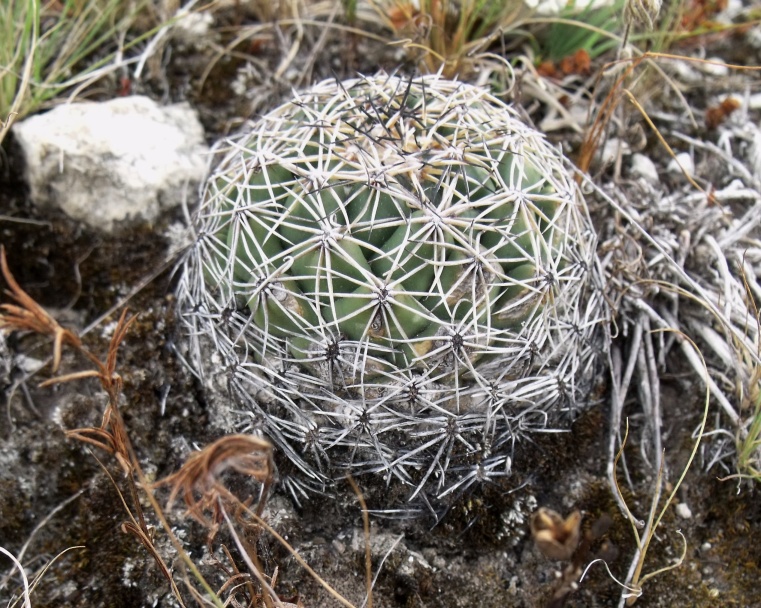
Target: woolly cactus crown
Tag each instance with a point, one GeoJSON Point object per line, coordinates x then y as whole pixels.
{"type": "Point", "coordinates": [400, 277]}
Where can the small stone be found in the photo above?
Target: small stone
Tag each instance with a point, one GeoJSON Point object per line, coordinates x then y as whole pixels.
{"type": "Point", "coordinates": [682, 164]}
{"type": "Point", "coordinates": [513, 588]}
{"type": "Point", "coordinates": [714, 66]}
{"type": "Point", "coordinates": [753, 38]}
{"type": "Point", "coordinates": [683, 511]}
{"type": "Point", "coordinates": [192, 27]}
{"type": "Point", "coordinates": [732, 9]}
{"type": "Point", "coordinates": [685, 71]}
{"type": "Point", "coordinates": [644, 168]}
{"type": "Point", "coordinates": [612, 149]}
{"type": "Point", "coordinates": [754, 101]}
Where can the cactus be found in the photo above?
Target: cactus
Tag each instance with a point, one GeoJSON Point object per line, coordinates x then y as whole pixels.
{"type": "Point", "coordinates": [400, 277]}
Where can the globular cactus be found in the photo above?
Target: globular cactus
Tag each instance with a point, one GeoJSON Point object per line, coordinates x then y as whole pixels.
{"type": "Point", "coordinates": [400, 277]}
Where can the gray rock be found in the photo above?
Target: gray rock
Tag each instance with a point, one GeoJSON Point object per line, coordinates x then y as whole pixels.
{"type": "Point", "coordinates": [101, 163]}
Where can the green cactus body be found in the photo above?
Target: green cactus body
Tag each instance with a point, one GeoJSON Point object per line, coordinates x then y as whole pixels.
{"type": "Point", "coordinates": [404, 251]}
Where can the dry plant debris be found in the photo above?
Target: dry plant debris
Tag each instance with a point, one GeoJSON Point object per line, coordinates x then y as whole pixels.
{"type": "Point", "coordinates": [555, 537]}
{"type": "Point", "coordinates": [246, 454]}
{"type": "Point", "coordinates": [449, 37]}
{"type": "Point", "coordinates": [565, 540]}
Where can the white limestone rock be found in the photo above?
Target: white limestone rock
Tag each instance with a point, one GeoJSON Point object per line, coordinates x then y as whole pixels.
{"type": "Point", "coordinates": [102, 163]}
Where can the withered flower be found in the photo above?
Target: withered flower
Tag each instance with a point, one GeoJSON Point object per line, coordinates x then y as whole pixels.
{"type": "Point", "coordinates": [555, 537]}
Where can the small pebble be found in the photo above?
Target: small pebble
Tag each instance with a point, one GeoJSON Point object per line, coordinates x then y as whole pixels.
{"type": "Point", "coordinates": [644, 168]}
{"type": "Point", "coordinates": [754, 101]}
{"type": "Point", "coordinates": [683, 511]}
{"type": "Point", "coordinates": [716, 68]}
{"type": "Point", "coordinates": [612, 148]}
{"type": "Point", "coordinates": [682, 164]}
{"type": "Point", "coordinates": [685, 71]}
{"type": "Point", "coordinates": [732, 9]}
{"type": "Point", "coordinates": [192, 27]}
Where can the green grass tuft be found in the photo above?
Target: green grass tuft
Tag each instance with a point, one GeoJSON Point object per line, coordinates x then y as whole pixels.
{"type": "Point", "coordinates": [47, 49]}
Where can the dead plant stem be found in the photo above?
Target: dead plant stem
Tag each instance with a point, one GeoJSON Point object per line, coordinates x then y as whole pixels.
{"type": "Point", "coordinates": [366, 527]}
